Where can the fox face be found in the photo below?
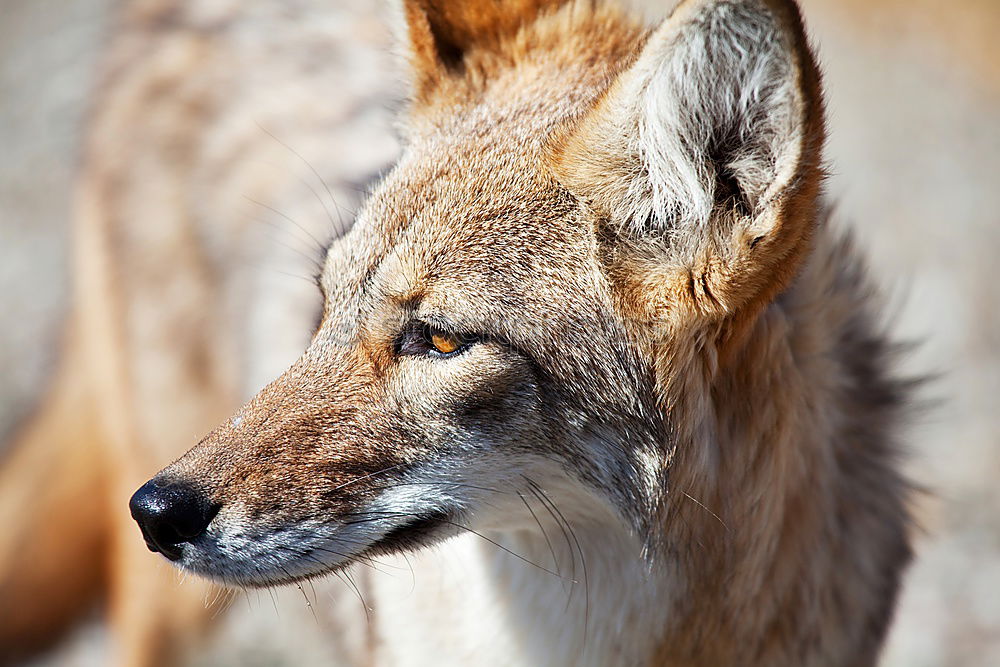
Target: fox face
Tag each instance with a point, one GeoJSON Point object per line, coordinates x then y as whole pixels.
{"type": "Point", "coordinates": [464, 313]}
{"type": "Point", "coordinates": [587, 215]}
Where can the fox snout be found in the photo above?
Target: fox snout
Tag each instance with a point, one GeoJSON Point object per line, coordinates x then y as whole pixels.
{"type": "Point", "coordinates": [170, 514]}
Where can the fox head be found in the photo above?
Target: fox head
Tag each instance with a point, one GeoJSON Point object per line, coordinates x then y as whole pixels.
{"type": "Point", "coordinates": [586, 220]}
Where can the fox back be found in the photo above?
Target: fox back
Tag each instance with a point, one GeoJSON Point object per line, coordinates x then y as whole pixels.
{"type": "Point", "coordinates": [594, 339]}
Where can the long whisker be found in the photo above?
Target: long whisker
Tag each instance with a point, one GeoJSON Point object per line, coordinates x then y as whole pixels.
{"type": "Point", "coordinates": [368, 476]}
{"type": "Point", "coordinates": [565, 534]}
{"type": "Point", "coordinates": [413, 576]}
{"type": "Point", "coordinates": [314, 261]}
{"type": "Point", "coordinates": [583, 561]}
{"type": "Point", "coordinates": [348, 580]}
{"type": "Point", "coordinates": [305, 597]}
{"type": "Point", "coordinates": [503, 548]}
{"type": "Point", "coordinates": [571, 585]}
{"type": "Point", "coordinates": [388, 514]}
{"type": "Point", "coordinates": [449, 484]}
{"type": "Point", "coordinates": [340, 228]}
{"type": "Point", "coordinates": [545, 535]}
{"type": "Point", "coordinates": [362, 559]}
{"type": "Point", "coordinates": [320, 246]}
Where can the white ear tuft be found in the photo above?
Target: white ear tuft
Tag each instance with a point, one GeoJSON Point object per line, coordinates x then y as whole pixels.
{"type": "Point", "coordinates": [703, 159]}
{"type": "Point", "coordinates": [718, 114]}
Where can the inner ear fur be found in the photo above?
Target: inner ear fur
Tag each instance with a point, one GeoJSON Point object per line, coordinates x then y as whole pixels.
{"type": "Point", "coordinates": [704, 159]}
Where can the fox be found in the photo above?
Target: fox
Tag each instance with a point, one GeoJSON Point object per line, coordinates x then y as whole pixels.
{"type": "Point", "coordinates": [592, 363]}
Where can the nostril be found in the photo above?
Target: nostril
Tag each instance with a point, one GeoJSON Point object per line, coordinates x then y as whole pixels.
{"type": "Point", "coordinates": [169, 514]}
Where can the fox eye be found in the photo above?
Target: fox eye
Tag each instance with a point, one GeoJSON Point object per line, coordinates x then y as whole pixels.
{"type": "Point", "coordinates": [445, 343]}
{"type": "Point", "coordinates": [425, 339]}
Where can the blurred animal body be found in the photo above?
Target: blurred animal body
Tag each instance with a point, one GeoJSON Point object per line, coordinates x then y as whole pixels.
{"type": "Point", "coordinates": [592, 338]}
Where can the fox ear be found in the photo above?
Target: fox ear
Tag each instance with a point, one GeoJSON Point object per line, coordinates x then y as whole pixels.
{"type": "Point", "coordinates": [706, 152]}
{"type": "Point", "coordinates": [440, 33]}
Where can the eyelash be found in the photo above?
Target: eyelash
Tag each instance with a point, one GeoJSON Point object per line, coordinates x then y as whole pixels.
{"type": "Point", "coordinates": [416, 340]}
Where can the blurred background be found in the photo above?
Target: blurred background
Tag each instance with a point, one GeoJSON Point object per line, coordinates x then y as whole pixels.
{"type": "Point", "coordinates": [913, 90]}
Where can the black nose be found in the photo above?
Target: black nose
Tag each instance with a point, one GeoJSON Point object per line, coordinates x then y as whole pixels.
{"type": "Point", "coordinates": [169, 514]}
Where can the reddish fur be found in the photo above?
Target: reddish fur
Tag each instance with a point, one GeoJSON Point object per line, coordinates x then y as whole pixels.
{"type": "Point", "coordinates": [731, 368]}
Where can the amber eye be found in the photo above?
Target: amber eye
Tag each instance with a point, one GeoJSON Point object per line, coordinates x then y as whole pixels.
{"type": "Point", "coordinates": [425, 339]}
{"type": "Point", "coordinates": [445, 343]}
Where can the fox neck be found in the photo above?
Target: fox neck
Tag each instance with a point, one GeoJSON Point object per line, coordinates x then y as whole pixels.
{"type": "Point", "coordinates": [578, 595]}
{"type": "Point", "coordinates": [747, 504]}
{"type": "Point", "coordinates": [590, 597]}
{"type": "Point", "coordinates": [785, 514]}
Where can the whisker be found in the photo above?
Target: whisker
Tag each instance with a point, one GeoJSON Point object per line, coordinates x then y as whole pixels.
{"type": "Point", "coordinates": [413, 576]}
{"type": "Point", "coordinates": [503, 548]}
{"type": "Point", "coordinates": [545, 535]}
{"type": "Point", "coordinates": [347, 558]}
{"type": "Point", "coordinates": [311, 281]}
{"type": "Point", "coordinates": [340, 228]}
{"type": "Point", "coordinates": [274, 601]}
{"type": "Point", "coordinates": [361, 559]}
{"type": "Point", "coordinates": [583, 562]}
{"type": "Point", "coordinates": [320, 246]}
{"type": "Point", "coordinates": [704, 507]}
{"type": "Point", "coordinates": [387, 514]}
{"type": "Point", "coordinates": [569, 542]}
{"type": "Point", "coordinates": [313, 260]}
{"type": "Point", "coordinates": [368, 476]}
{"type": "Point", "coordinates": [357, 589]}
{"type": "Point", "coordinates": [457, 485]}
{"type": "Point", "coordinates": [305, 597]}
{"type": "Point", "coordinates": [312, 587]}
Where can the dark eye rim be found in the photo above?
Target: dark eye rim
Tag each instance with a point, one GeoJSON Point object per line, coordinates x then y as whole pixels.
{"type": "Point", "coordinates": [416, 341]}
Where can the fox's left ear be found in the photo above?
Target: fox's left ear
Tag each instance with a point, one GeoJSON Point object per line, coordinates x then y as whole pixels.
{"type": "Point", "coordinates": [440, 34]}
{"type": "Point", "coordinates": [704, 158]}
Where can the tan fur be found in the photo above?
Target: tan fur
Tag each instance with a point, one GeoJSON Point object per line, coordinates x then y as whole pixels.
{"type": "Point", "coordinates": [706, 401]}
{"type": "Point", "coordinates": [156, 357]}
{"type": "Point", "coordinates": [52, 471]}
